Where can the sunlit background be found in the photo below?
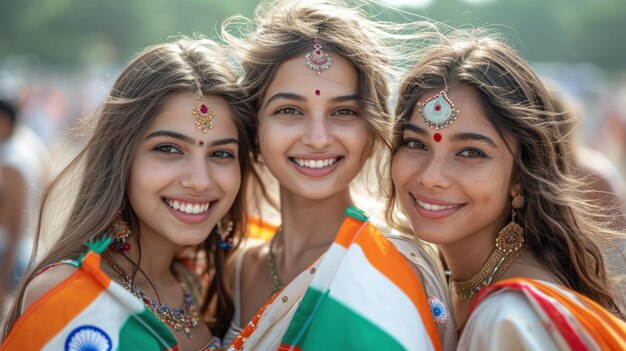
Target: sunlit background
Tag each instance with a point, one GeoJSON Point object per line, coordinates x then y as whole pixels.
{"type": "Point", "coordinates": [58, 58]}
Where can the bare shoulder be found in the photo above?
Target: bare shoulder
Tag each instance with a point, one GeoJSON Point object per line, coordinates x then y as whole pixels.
{"type": "Point", "coordinates": [44, 282]}
{"type": "Point", "coordinates": [527, 266]}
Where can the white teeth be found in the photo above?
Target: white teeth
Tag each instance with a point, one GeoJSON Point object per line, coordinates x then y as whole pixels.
{"type": "Point", "coordinates": [431, 207]}
{"type": "Point", "coordinates": [315, 163]}
{"type": "Point", "coordinates": [187, 207]}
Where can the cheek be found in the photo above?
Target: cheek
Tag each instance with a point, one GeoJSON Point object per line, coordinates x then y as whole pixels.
{"type": "Point", "coordinates": [403, 169]}
{"type": "Point", "coordinates": [229, 179]}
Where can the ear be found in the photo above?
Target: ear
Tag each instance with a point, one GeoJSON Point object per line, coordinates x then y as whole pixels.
{"type": "Point", "coordinates": [516, 189]}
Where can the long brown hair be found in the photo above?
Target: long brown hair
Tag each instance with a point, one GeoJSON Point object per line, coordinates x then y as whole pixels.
{"type": "Point", "coordinates": [560, 229]}
{"type": "Point", "coordinates": [284, 29]}
{"type": "Point", "coordinates": [104, 163]}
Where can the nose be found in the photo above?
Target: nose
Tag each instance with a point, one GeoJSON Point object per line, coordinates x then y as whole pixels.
{"type": "Point", "coordinates": [434, 172]}
{"type": "Point", "coordinates": [197, 175]}
{"type": "Point", "coordinates": [318, 133]}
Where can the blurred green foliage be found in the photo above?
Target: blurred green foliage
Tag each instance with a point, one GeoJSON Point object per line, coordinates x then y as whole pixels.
{"type": "Point", "coordinates": [79, 32]}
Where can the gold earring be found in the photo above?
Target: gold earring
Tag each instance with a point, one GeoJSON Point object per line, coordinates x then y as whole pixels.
{"type": "Point", "coordinates": [120, 232]}
{"type": "Point", "coordinates": [511, 237]}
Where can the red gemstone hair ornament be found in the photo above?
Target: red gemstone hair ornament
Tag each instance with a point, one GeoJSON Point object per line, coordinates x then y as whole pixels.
{"type": "Point", "coordinates": [438, 111]}
{"type": "Point", "coordinates": [318, 59]}
{"type": "Point", "coordinates": [204, 114]}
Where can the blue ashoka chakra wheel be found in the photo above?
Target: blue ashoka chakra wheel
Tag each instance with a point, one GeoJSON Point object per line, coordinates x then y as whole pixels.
{"type": "Point", "coordinates": [88, 338]}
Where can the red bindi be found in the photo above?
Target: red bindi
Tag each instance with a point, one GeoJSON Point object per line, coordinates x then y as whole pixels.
{"type": "Point", "coordinates": [437, 137]}
{"type": "Point", "coordinates": [201, 143]}
{"type": "Point", "coordinates": [317, 92]}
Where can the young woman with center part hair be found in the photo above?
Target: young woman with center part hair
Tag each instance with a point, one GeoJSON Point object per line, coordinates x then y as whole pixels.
{"type": "Point", "coordinates": [161, 175]}
{"type": "Point", "coordinates": [316, 75]}
{"type": "Point", "coordinates": [482, 169]}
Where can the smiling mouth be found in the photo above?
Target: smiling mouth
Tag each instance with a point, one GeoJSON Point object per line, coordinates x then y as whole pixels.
{"type": "Point", "coordinates": [433, 207]}
{"type": "Point", "coordinates": [189, 208]}
{"type": "Point", "coordinates": [315, 163]}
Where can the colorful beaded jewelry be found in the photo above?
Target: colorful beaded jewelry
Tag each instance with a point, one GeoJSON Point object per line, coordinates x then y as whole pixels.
{"type": "Point", "coordinates": [318, 59]}
{"type": "Point", "coordinates": [183, 318]}
{"type": "Point", "coordinates": [120, 232]}
{"type": "Point", "coordinates": [204, 114]}
{"type": "Point", "coordinates": [438, 111]}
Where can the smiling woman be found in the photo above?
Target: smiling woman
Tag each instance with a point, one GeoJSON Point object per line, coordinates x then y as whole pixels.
{"type": "Point", "coordinates": [482, 169]}
{"type": "Point", "coordinates": [161, 178]}
{"type": "Point", "coordinates": [316, 73]}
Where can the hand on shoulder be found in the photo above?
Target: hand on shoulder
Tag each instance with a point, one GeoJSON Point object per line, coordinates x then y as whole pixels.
{"type": "Point", "coordinates": [44, 282]}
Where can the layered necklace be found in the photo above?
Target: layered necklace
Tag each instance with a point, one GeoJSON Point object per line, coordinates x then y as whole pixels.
{"type": "Point", "coordinates": [278, 284]}
{"type": "Point", "coordinates": [509, 243]}
{"type": "Point", "coordinates": [183, 318]}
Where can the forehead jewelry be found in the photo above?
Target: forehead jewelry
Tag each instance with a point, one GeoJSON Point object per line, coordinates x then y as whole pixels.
{"type": "Point", "coordinates": [318, 59]}
{"type": "Point", "coordinates": [438, 111]}
{"type": "Point", "coordinates": [204, 114]}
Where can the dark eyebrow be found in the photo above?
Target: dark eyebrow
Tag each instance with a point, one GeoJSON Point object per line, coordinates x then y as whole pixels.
{"type": "Point", "coordinates": [415, 129]}
{"type": "Point", "coordinates": [456, 137]}
{"type": "Point", "coordinates": [344, 98]}
{"type": "Point", "coordinates": [474, 137]}
{"type": "Point", "coordinates": [171, 134]}
{"type": "Point", "coordinates": [225, 141]}
{"type": "Point", "coordinates": [189, 140]}
{"type": "Point", "coordinates": [296, 97]}
{"type": "Point", "coordinates": [289, 96]}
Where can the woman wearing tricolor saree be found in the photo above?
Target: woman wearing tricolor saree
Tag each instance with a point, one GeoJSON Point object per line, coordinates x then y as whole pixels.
{"type": "Point", "coordinates": [160, 178]}
{"type": "Point", "coordinates": [316, 75]}
{"type": "Point", "coordinates": [482, 169]}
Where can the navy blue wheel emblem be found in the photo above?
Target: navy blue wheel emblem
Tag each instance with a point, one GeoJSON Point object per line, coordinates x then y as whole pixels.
{"type": "Point", "coordinates": [88, 338]}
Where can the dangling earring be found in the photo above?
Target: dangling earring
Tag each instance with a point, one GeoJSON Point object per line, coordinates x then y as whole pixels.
{"type": "Point", "coordinates": [511, 237]}
{"type": "Point", "coordinates": [225, 242]}
{"type": "Point", "coordinates": [509, 243]}
{"type": "Point", "coordinates": [120, 232]}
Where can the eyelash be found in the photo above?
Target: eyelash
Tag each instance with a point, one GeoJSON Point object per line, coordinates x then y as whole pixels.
{"type": "Point", "coordinates": [162, 148]}
{"type": "Point", "coordinates": [415, 144]}
{"type": "Point", "coordinates": [283, 111]}
{"type": "Point", "coordinates": [478, 153]}
{"type": "Point", "coordinates": [412, 144]}
{"type": "Point", "coordinates": [167, 149]}
{"type": "Point", "coordinates": [222, 154]}
{"type": "Point", "coordinates": [342, 112]}
{"type": "Point", "coordinates": [289, 110]}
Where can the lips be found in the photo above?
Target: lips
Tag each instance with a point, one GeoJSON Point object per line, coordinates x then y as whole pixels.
{"type": "Point", "coordinates": [319, 163]}
{"type": "Point", "coordinates": [430, 208]}
{"type": "Point", "coordinates": [189, 208]}
{"type": "Point", "coordinates": [434, 207]}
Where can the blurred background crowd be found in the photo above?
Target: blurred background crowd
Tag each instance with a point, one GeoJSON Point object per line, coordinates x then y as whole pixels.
{"type": "Point", "coordinates": [59, 58]}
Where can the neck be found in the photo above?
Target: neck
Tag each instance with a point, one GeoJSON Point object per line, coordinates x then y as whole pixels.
{"type": "Point", "coordinates": [311, 224]}
{"type": "Point", "coordinates": [467, 257]}
{"type": "Point", "coordinates": [154, 261]}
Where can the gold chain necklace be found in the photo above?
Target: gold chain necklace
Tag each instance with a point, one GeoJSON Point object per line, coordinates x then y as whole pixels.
{"type": "Point", "coordinates": [278, 284]}
{"type": "Point", "coordinates": [183, 318]}
{"type": "Point", "coordinates": [509, 242]}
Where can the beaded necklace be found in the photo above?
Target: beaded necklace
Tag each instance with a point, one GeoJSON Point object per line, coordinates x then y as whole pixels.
{"type": "Point", "coordinates": [183, 318]}
{"type": "Point", "coordinates": [278, 284]}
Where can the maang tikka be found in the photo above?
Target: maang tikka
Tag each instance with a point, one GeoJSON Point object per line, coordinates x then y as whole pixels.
{"type": "Point", "coordinates": [318, 59]}
{"type": "Point", "coordinates": [438, 111]}
{"type": "Point", "coordinates": [204, 114]}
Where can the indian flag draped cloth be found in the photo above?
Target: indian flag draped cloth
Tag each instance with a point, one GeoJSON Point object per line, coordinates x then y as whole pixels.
{"type": "Point", "coordinates": [89, 311]}
{"type": "Point", "coordinates": [574, 321]}
{"type": "Point", "coordinates": [364, 296]}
